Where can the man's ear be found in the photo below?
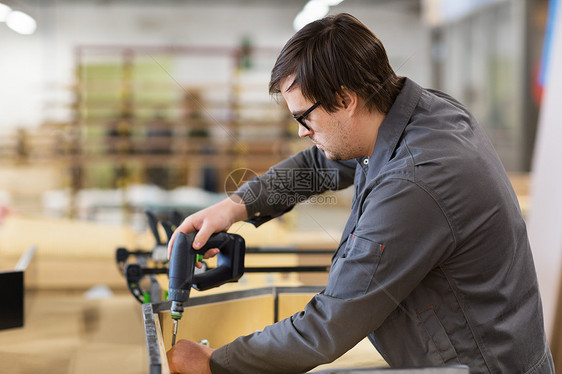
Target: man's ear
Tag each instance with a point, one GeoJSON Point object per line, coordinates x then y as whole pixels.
{"type": "Point", "coordinates": [348, 100]}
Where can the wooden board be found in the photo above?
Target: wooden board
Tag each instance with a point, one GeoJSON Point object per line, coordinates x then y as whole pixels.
{"type": "Point", "coordinates": [222, 322]}
{"type": "Point", "coordinates": [291, 303]}
{"type": "Point", "coordinates": [161, 348]}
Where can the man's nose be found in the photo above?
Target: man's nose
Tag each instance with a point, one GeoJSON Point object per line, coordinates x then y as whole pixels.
{"type": "Point", "coordinates": [303, 131]}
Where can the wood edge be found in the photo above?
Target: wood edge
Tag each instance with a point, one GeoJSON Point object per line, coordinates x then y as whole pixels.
{"type": "Point", "coordinates": [163, 358]}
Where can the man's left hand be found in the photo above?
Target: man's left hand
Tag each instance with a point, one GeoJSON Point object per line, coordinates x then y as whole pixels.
{"type": "Point", "coordinates": [190, 358]}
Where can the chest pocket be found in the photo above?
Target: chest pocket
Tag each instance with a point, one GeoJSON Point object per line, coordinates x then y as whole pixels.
{"type": "Point", "coordinates": [351, 273]}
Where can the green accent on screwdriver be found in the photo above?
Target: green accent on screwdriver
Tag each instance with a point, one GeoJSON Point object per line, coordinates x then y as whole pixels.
{"type": "Point", "coordinates": [198, 257]}
{"type": "Point", "coordinates": [145, 297]}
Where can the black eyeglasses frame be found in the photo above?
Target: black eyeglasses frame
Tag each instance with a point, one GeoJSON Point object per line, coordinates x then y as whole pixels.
{"type": "Point", "coordinates": [300, 119]}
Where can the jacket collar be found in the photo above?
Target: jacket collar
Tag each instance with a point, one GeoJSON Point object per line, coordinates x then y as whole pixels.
{"type": "Point", "coordinates": [393, 125]}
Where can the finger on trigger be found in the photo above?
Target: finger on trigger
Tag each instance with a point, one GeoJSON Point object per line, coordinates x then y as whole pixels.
{"type": "Point", "coordinates": [211, 253]}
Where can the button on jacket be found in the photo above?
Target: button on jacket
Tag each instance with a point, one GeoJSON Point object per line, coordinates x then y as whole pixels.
{"type": "Point", "coordinates": [434, 264]}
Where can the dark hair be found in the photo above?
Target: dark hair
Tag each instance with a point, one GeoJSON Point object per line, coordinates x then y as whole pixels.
{"type": "Point", "coordinates": [334, 52]}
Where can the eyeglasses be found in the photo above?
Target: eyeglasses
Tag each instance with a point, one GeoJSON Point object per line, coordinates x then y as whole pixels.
{"type": "Point", "coordinates": [300, 119]}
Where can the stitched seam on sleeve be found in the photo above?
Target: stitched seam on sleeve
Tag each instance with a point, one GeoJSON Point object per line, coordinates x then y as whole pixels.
{"type": "Point", "coordinates": [227, 356]}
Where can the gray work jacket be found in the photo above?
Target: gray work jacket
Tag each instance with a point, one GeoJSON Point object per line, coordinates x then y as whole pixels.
{"type": "Point", "coordinates": [434, 264]}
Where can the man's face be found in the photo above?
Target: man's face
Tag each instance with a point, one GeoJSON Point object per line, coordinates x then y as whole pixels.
{"type": "Point", "coordinates": [330, 132]}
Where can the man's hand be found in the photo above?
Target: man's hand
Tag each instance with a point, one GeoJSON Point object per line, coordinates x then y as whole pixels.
{"type": "Point", "coordinates": [189, 357]}
{"type": "Point", "coordinates": [216, 218]}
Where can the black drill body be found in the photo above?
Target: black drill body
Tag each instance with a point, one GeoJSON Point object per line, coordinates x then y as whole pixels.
{"type": "Point", "coordinates": [181, 273]}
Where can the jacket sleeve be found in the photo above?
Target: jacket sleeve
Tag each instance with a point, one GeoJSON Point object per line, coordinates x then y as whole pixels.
{"type": "Point", "coordinates": [293, 181]}
{"type": "Point", "coordinates": [400, 236]}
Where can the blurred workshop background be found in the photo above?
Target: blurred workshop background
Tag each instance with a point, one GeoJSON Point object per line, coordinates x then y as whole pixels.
{"type": "Point", "coordinates": [110, 108]}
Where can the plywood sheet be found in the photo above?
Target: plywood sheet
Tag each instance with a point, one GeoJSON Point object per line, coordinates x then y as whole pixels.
{"type": "Point", "coordinates": [289, 303]}
{"type": "Point", "coordinates": [222, 322]}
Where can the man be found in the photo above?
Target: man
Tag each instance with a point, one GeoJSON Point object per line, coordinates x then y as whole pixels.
{"type": "Point", "coordinates": [434, 265]}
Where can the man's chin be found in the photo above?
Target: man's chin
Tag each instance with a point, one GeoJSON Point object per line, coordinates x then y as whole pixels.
{"type": "Point", "coordinates": [332, 156]}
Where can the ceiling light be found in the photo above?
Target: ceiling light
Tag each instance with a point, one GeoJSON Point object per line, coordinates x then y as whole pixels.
{"type": "Point", "coordinates": [330, 2]}
{"type": "Point", "coordinates": [312, 11]}
{"type": "Point", "coordinates": [21, 23]}
{"type": "Point", "coordinates": [4, 11]}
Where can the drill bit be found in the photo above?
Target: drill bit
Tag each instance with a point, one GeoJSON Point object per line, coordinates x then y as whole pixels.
{"type": "Point", "coordinates": [175, 333]}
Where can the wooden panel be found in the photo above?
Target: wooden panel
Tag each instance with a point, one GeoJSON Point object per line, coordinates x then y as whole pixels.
{"type": "Point", "coordinates": [165, 369]}
{"type": "Point", "coordinates": [291, 303]}
{"type": "Point", "coordinates": [222, 322]}
{"type": "Point", "coordinates": [314, 279]}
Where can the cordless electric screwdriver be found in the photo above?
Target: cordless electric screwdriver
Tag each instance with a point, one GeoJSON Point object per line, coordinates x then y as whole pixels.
{"type": "Point", "coordinates": [181, 273]}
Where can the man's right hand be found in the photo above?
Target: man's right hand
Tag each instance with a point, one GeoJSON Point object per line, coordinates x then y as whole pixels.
{"type": "Point", "coordinates": [216, 218]}
{"type": "Point", "coordinates": [190, 358]}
